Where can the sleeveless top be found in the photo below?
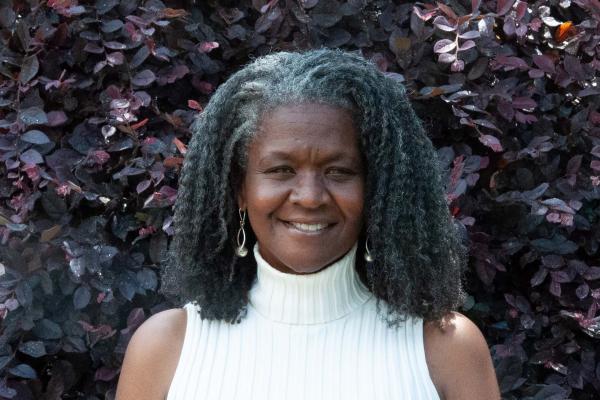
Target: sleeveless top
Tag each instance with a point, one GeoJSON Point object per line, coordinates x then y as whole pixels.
{"type": "Point", "coordinates": [315, 336]}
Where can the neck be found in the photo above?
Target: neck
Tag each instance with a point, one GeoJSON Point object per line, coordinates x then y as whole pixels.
{"type": "Point", "coordinates": [319, 297]}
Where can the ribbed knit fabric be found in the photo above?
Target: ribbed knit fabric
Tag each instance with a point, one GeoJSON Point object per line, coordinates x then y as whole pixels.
{"type": "Point", "coordinates": [315, 336]}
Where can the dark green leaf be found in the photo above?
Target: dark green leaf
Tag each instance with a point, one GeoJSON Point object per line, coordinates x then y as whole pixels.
{"type": "Point", "coordinates": [35, 137]}
{"type": "Point", "coordinates": [23, 371]}
{"type": "Point", "coordinates": [47, 329]}
{"type": "Point", "coordinates": [33, 116]}
{"type": "Point", "coordinates": [33, 348]}
{"type": "Point", "coordinates": [81, 297]}
{"type": "Point", "coordinates": [29, 69]}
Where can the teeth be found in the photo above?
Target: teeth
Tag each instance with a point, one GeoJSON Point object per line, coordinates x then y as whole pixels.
{"type": "Point", "coordinates": [308, 227]}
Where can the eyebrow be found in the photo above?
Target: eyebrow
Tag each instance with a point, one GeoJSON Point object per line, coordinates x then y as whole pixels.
{"type": "Point", "coordinates": [282, 155]}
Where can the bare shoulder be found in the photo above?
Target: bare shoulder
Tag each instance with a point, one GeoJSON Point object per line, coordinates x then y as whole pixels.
{"type": "Point", "coordinates": [459, 360]}
{"type": "Point", "coordinates": [152, 355]}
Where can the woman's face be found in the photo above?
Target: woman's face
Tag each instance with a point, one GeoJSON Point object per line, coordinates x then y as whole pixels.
{"type": "Point", "coordinates": [304, 187]}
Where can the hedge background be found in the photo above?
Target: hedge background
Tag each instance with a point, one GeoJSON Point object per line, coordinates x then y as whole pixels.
{"type": "Point", "coordinates": [95, 103]}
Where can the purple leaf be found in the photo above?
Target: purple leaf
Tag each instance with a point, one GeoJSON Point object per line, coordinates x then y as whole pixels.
{"type": "Point", "coordinates": [137, 20]}
{"type": "Point", "coordinates": [525, 118]}
{"type": "Point", "coordinates": [467, 45]}
{"type": "Point", "coordinates": [509, 63]}
{"type": "Point", "coordinates": [582, 291]}
{"type": "Point", "coordinates": [94, 48]}
{"type": "Point", "coordinates": [574, 68]}
{"type": "Point", "coordinates": [143, 185]}
{"type": "Point", "coordinates": [485, 272]}
{"type": "Point", "coordinates": [442, 23]}
{"type": "Point", "coordinates": [487, 124]}
{"type": "Point", "coordinates": [207, 47]}
{"type": "Point", "coordinates": [446, 58]}
{"type": "Point", "coordinates": [56, 118]}
{"type": "Point", "coordinates": [592, 274]}
{"type": "Point", "coordinates": [444, 46]}
{"type": "Point", "coordinates": [553, 261]}
{"type": "Point", "coordinates": [143, 78]}
{"type": "Point", "coordinates": [536, 73]}
{"type": "Point", "coordinates": [544, 63]}
{"type": "Point", "coordinates": [523, 103]}
{"type": "Point", "coordinates": [99, 66]}
{"type": "Point", "coordinates": [31, 156]}
{"type": "Point", "coordinates": [139, 57]}
{"type": "Point", "coordinates": [503, 6]}
{"type": "Point", "coordinates": [539, 277]}
{"type": "Point", "coordinates": [491, 142]}
{"type": "Point", "coordinates": [457, 66]}
{"type": "Point", "coordinates": [425, 16]}
{"type": "Point", "coordinates": [509, 26]}
{"type": "Point", "coordinates": [106, 374]}
{"type": "Point", "coordinates": [115, 58]}
{"type": "Point", "coordinates": [561, 277]}
{"type": "Point", "coordinates": [470, 35]}
{"type": "Point", "coordinates": [555, 288]}
{"type": "Point", "coordinates": [111, 26]}
{"type": "Point", "coordinates": [135, 318]}
{"type": "Point", "coordinates": [506, 110]}
{"type": "Point", "coordinates": [115, 45]}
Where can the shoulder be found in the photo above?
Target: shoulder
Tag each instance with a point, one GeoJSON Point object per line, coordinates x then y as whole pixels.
{"type": "Point", "coordinates": [152, 355]}
{"type": "Point", "coordinates": [459, 360]}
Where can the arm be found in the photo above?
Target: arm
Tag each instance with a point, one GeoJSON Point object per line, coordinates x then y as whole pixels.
{"type": "Point", "coordinates": [151, 357]}
{"type": "Point", "coordinates": [459, 360]}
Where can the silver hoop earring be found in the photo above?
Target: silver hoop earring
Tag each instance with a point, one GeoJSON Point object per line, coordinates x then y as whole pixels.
{"type": "Point", "coordinates": [368, 257]}
{"type": "Point", "coordinates": [241, 250]}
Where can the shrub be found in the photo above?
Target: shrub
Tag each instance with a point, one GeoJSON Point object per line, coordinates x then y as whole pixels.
{"type": "Point", "coordinates": [95, 103]}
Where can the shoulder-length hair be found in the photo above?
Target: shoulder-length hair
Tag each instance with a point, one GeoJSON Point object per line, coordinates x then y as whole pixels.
{"type": "Point", "coordinates": [419, 257]}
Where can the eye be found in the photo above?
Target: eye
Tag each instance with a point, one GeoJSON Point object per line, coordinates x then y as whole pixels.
{"type": "Point", "coordinates": [283, 169]}
{"type": "Point", "coordinates": [338, 171]}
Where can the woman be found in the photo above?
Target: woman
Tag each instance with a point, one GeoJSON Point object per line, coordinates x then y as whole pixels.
{"type": "Point", "coordinates": [313, 248]}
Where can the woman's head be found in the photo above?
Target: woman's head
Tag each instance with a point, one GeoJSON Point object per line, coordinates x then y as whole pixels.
{"type": "Point", "coordinates": [307, 104]}
{"type": "Point", "coordinates": [303, 186]}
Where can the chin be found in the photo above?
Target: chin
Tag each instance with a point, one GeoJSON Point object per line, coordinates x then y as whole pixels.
{"type": "Point", "coordinates": [301, 264]}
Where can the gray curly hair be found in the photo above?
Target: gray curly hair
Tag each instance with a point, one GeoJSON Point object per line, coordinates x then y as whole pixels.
{"type": "Point", "coordinates": [419, 256]}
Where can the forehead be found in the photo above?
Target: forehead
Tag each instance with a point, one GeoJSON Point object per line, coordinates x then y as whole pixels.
{"type": "Point", "coordinates": [312, 127]}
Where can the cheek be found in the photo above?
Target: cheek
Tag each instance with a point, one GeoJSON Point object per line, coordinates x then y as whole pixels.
{"type": "Point", "coordinates": [265, 197]}
{"type": "Point", "coordinates": [351, 203]}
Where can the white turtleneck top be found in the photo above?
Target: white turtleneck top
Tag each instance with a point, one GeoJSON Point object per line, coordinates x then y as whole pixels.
{"type": "Point", "coordinates": [315, 336]}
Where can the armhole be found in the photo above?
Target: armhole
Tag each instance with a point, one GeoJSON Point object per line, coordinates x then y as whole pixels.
{"type": "Point", "coordinates": [419, 333]}
{"type": "Point", "coordinates": [177, 385]}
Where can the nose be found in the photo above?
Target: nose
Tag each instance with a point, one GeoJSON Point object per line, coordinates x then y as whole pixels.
{"type": "Point", "coordinates": [310, 191]}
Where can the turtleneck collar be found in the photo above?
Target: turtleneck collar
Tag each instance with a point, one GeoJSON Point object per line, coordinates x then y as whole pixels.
{"type": "Point", "coordinates": [323, 296]}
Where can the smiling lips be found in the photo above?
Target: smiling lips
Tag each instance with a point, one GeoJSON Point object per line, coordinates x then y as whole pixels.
{"type": "Point", "coordinates": [308, 228]}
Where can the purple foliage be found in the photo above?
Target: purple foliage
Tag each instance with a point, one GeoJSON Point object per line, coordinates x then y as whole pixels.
{"type": "Point", "coordinates": [91, 145]}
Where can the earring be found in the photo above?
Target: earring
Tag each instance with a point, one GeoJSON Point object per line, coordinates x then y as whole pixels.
{"type": "Point", "coordinates": [241, 250]}
{"type": "Point", "coordinates": [368, 256]}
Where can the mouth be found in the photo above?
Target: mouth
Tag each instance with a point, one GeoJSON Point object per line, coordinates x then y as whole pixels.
{"type": "Point", "coordinates": [313, 229]}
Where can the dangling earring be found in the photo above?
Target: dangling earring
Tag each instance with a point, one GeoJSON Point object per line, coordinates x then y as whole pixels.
{"type": "Point", "coordinates": [241, 250]}
{"type": "Point", "coordinates": [368, 256]}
